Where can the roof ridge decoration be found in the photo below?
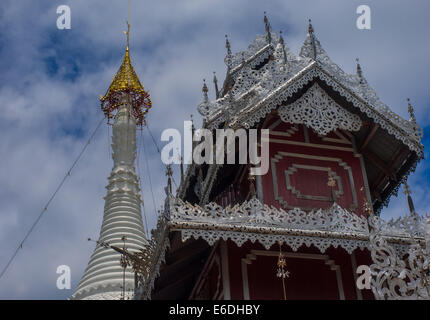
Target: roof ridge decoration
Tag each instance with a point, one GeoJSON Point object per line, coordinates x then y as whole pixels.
{"type": "Point", "coordinates": [268, 28]}
{"type": "Point", "coordinates": [311, 44]}
{"type": "Point", "coordinates": [258, 45]}
{"type": "Point", "coordinates": [227, 58]}
{"type": "Point", "coordinates": [126, 81]}
{"type": "Point", "coordinates": [417, 130]}
{"type": "Point", "coordinates": [282, 44]}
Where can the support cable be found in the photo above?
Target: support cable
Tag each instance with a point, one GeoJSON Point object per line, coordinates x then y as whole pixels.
{"type": "Point", "coordinates": [50, 199]}
{"type": "Point", "coordinates": [158, 150]}
{"type": "Point", "coordinates": [139, 150]}
{"type": "Point", "coordinates": [149, 174]}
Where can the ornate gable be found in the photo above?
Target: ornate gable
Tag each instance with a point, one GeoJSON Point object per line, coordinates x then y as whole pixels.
{"type": "Point", "coordinates": [318, 111]}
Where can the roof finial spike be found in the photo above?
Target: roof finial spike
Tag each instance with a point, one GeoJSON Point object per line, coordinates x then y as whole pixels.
{"type": "Point", "coordinates": [192, 123]}
{"type": "Point", "coordinates": [227, 59]}
{"type": "Point", "coordinates": [267, 26]}
{"type": "Point", "coordinates": [411, 111]}
{"type": "Point", "coordinates": [408, 193]}
{"type": "Point", "coordinates": [281, 41]}
{"type": "Point", "coordinates": [312, 39]}
{"type": "Point", "coordinates": [128, 35]}
{"type": "Point", "coordinates": [169, 174]}
{"type": "Point", "coordinates": [359, 71]}
{"type": "Point", "coordinates": [418, 131]}
{"type": "Point", "coordinates": [205, 91]}
{"type": "Point", "coordinates": [227, 45]}
{"type": "Point", "coordinates": [128, 27]}
{"type": "Point", "coordinates": [182, 168]}
{"type": "Point", "coordinates": [310, 28]}
{"type": "Point", "coordinates": [215, 80]}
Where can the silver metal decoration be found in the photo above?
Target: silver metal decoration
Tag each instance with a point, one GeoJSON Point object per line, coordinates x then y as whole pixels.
{"type": "Point", "coordinates": [394, 276]}
{"type": "Point", "coordinates": [320, 112]}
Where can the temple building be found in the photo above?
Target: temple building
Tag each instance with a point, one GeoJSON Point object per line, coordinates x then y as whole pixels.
{"type": "Point", "coordinates": [337, 154]}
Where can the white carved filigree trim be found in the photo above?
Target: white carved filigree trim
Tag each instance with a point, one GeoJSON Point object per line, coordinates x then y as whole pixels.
{"type": "Point", "coordinates": [393, 276]}
{"type": "Point", "coordinates": [254, 221]}
{"type": "Point", "coordinates": [253, 213]}
{"type": "Point", "coordinates": [411, 224]}
{"type": "Point", "coordinates": [254, 54]}
{"type": "Point", "coordinates": [254, 59]}
{"type": "Point", "coordinates": [268, 240]}
{"type": "Point", "coordinates": [320, 112]}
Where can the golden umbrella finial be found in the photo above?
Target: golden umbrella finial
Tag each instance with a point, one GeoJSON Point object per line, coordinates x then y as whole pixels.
{"type": "Point", "coordinates": [126, 81]}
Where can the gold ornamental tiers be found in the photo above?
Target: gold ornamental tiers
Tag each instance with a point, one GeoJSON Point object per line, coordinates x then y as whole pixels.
{"type": "Point", "coordinates": [126, 81]}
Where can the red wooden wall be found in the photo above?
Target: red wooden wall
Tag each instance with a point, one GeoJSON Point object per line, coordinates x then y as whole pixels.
{"type": "Point", "coordinates": [298, 173]}
{"type": "Point", "coordinates": [313, 275]}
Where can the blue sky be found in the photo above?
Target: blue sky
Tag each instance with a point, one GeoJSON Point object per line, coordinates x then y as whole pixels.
{"type": "Point", "coordinates": [50, 81]}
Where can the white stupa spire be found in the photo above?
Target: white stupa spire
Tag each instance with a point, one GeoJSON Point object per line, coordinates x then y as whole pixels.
{"type": "Point", "coordinates": [103, 277]}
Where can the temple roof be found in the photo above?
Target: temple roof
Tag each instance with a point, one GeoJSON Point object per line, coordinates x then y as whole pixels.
{"type": "Point", "coordinates": [268, 75]}
{"type": "Point", "coordinates": [266, 69]}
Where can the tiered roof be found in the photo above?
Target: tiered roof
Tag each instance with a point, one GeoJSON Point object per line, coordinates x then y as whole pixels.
{"type": "Point", "coordinates": [267, 75]}
{"type": "Point", "coordinates": [266, 69]}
